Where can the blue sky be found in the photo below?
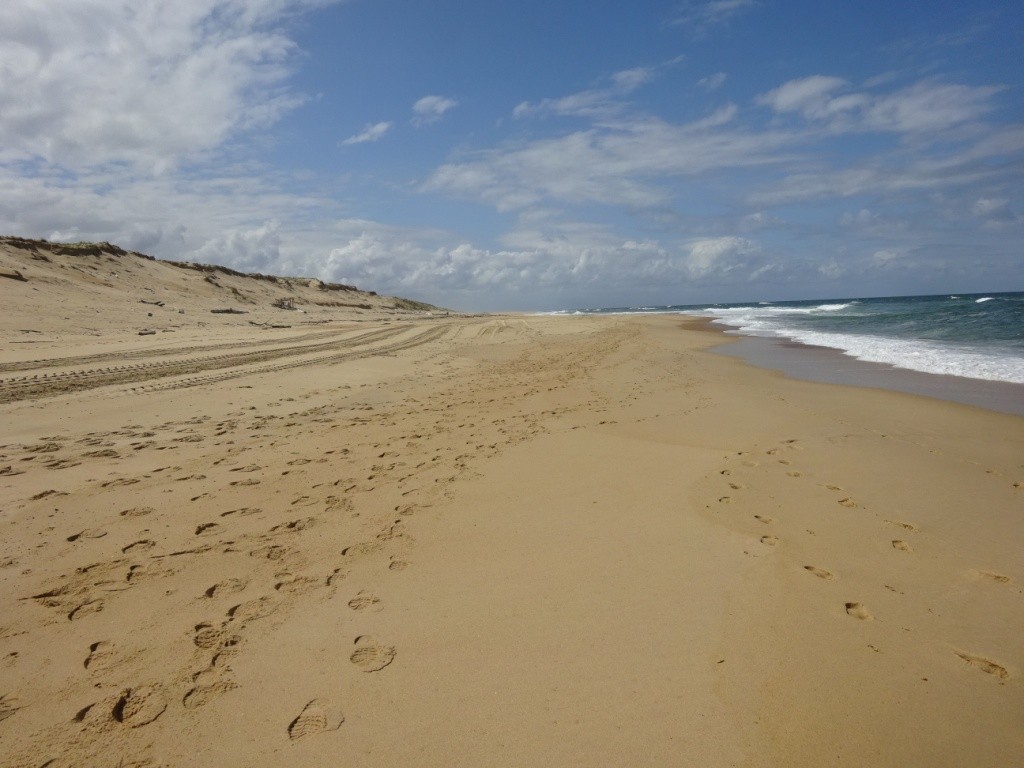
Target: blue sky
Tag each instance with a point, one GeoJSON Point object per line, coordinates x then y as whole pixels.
{"type": "Point", "coordinates": [529, 155]}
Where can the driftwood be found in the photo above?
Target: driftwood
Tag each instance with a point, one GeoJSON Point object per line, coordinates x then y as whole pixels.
{"type": "Point", "coordinates": [268, 325]}
{"type": "Point", "coordinates": [147, 333]}
{"type": "Point", "coordinates": [229, 311]}
{"type": "Point", "coordinates": [153, 303]}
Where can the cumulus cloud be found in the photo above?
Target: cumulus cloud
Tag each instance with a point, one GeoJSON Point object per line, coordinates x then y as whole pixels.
{"type": "Point", "coordinates": [251, 250]}
{"type": "Point", "coordinates": [538, 260]}
{"type": "Point", "coordinates": [718, 254]}
{"type": "Point", "coordinates": [430, 109]}
{"type": "Point", "coordinates": [150, 83]}
{"type": "Point", "coordinates": [372, 132]}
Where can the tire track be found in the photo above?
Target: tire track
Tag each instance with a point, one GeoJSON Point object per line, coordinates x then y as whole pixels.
{"type": "Point", "coordinates": [424, 337]}
{"type": "Point", "coordinates": [141, 354]}
{"type": "Point", "coordinates": [22, 388]}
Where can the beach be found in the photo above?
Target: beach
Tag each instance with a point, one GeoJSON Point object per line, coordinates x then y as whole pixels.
{"type": "Point", "coordinates": [396, 537]}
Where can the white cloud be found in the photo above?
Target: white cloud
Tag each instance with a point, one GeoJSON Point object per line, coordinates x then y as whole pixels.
{"type": "Point", "coordinates": [594, 102]}
{"type": "Point", "coordinates": [718, 254]}
{"type": "Point", "coordinates": [250, 250]}
{"type": "Point", "coordinates": [995, 212]}
{"type": "Point", "coordinates": [630, 79]}
{"type": "Point", "coordinates": [927, 106]}
{"type": "Point", "coordinates": [921, 108]}
{"type": "Point", "coordinates": [809, 95]}
{"type": "Point", "coordinates": [430, 109]}
{"type": "Point", "coordinates": [992, 208]}
{"type": "Point", "coordinates": [151, 83]}
{"type": "Point", "coordinates": [171, 216]}
{"type": "Point", "coordinates": [894, 176]}
{"type": "Point", "coordinates": [888, 257]}
{"type": "Point", "coordinates": [372, 132]}
{"type": "Point", "coordinates": [712, 82]}
{"type": "Point", "coordinates": [760, 220]}
{"type": "Point", "coordinates": [701, 16]}
{"type": "Point", "coordinates": [618, 163]}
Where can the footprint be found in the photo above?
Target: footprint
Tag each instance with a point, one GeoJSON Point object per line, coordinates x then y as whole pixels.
{"type": "Point", "coordinates": [88, 533]}
{"type": "Point", "coordinates": [296, 585]}
{"type": "Point", "coordinates": [253, 609]}
{"type": "Point", "coordinates": [313, 719]}
{"type": "Point", "coordinates": [138, 546]}
{"type": "Point", "coordinates": [371, 657]}
{"type": "Point", "coordinates": [901, 545]}
{"type": "Point", "coordinates": [1002, 579]}
{"type": "Point", "coordinates": [208, 636]}
{"type": "Point", "coordinates": [139, 706]}
{"type": "Point", "coordinates": [203, 528]}
{"type": "Point", "coordinates": [204, 694]}
{"type": "Point", "coordinates": [398, 565]}
{"type": "Point", "coordinates": [271, 552]}
{"type": "Point", "coordinates": [101, 655]}
{"type": "Point", "coordinates": [858, 611]}
{"type": "Point", "coordinates": [137, 511]}
{"type": "Point", "coordinates": [847, 502]}
{"type": "Point", "coordinates": [89, 606]}
{"type": "Point", "coordinates": [771, 541]}
{"type": "Point", "coordinates": [985, 665]}
{"type": "Point", "coordinates": [765, 519]}
{"type": "Point", "coordinates": [7, 707]}
{"type": "Point", "coordinates": [226, 587]}
{"type": "Point", "coordinates": [365, 601]}
{"type": "Point", "coordinates": [904, 526]}
{"type": "Point", "coordinates": [821, 573]}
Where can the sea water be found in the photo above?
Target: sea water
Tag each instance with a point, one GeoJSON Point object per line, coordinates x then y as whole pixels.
{"type": "Point", "coordinates": [976, 336]}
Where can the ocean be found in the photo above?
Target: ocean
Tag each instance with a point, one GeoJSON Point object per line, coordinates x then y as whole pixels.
{"type": "Point", "coordinates": [973, 336]}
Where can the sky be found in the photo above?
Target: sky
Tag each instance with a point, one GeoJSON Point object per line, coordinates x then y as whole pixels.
{"type": "Point", "coordinates": [529, 155]}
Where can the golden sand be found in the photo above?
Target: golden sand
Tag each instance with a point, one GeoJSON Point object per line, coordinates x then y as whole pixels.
{"type": "Point", "coordinates": [403, 539]}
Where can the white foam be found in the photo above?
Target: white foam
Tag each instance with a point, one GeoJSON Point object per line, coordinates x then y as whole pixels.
{"type": "Point", "coordinates": [920, 355]}
{"type": "Point", "coordinates": [982, 301]}
{"type": "Point", "coordinates": [769, 310]}
{"type": "Point", "coordinates": [944, 358]}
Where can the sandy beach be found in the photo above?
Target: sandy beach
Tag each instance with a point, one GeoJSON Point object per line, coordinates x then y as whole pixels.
{"type": "Point", "coordinates": [377, 535]}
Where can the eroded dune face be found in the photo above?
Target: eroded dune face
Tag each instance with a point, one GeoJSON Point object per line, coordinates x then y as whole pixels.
{"type": "Point", "coordinates": [98, 289]}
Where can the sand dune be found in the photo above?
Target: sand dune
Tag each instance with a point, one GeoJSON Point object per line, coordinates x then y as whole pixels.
{"type": "Point", "coordinates": [398, 538]}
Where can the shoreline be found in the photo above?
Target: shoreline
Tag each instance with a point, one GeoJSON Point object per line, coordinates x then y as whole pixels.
{"type": "Point", "coordinates": [831, 366]}
{"type": "Point", "coordinates": [504, 540]}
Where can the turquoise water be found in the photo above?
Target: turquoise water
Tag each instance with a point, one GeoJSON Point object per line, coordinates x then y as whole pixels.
{"type": "Point", "coordinates": [979, 336]}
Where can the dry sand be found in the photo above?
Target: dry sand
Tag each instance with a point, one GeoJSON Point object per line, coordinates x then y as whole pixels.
{"type": "Point", "coordinates": [411, 540]}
